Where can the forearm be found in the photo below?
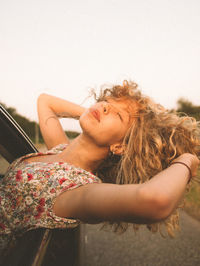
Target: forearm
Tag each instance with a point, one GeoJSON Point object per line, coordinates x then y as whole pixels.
{"type": "Point", "coordinates": [50, 109]}
{"type": "Point", "coordinates": [60, 107]}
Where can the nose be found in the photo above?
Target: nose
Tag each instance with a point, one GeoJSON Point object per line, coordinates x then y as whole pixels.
{"type": "Point", "coordinates": [105, 107]}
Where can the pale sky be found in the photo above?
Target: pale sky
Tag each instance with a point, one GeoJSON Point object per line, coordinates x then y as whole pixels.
{"type": "Point", "coordinates": [66, 47]}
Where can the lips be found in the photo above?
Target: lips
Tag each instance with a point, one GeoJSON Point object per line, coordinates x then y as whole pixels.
{"type": "Point", "coordinates": [95, 113]}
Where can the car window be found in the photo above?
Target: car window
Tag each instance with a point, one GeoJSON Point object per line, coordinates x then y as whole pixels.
{"type": "Point", "coordinates": [14, 142]}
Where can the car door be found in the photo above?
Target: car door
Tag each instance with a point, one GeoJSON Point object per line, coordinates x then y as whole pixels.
{"type": "Point", "coordinates": [42, 246]}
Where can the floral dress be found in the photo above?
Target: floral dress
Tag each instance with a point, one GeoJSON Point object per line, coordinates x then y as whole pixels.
{"type": "Point", "coordinates": [28, 191]}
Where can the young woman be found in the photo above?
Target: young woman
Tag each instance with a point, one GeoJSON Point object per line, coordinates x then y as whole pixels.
{"type": "Point", "coordinates": [131, 164]}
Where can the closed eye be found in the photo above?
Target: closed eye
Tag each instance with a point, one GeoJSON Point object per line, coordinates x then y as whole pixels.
{"type": "Point", "coordinates": [106, 100]}
{"type": "Point", "coordinates": [120, 116]}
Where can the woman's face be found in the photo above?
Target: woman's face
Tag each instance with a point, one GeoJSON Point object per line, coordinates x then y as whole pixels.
{"type": "Point", "coordinates": [107, 122]}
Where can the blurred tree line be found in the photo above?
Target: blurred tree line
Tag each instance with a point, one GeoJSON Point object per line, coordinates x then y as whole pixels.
{"type": "Point", "coordinates": [185, 106]}
{"type": "Point", "coordinates": [33, 131]}
{"type": "Point", "coordinates": [31, 127]}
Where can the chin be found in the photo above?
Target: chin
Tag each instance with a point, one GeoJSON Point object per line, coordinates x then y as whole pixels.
{"type": "Point", "coordinates": [84, 123]}
{"type": "Point", "coordinates": [91, 130]}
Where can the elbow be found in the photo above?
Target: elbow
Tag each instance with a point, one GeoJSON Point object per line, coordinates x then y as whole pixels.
{"type": "Point", "coordinates": [162, 207]}
{"type": "Point", "coordinates": [158, 206]}
{"type": "Point", "coordinates": [43, 100]}
{"type": "Point", "coordinates": [42, 96]}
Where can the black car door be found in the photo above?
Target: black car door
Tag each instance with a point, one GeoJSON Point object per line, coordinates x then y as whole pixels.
{"type": "Point", "coordinates": [41, 246]}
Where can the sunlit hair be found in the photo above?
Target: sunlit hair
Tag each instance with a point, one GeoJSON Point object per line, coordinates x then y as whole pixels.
{"type": "Point", "coordinates": [155, 138]}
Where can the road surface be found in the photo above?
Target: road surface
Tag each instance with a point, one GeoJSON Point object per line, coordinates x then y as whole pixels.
{"type": "Point", "coordinates": [99, 248]}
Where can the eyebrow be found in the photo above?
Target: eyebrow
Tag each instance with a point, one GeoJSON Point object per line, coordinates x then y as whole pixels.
{"type": "Point", "coordinates": [119, 111]}
{"type": "Point", "coordinates": [130, 115]}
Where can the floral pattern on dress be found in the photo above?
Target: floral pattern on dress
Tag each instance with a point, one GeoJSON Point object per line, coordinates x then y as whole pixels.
{"type": "Point", "coordinates": [28, 191]}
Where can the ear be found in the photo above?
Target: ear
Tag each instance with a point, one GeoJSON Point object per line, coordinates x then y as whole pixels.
{"type": "Point", "coordinates": [117, 149]}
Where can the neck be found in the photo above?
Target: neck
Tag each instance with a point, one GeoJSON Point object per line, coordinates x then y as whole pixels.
{"type": "Point", "coordinates": [83, 153]}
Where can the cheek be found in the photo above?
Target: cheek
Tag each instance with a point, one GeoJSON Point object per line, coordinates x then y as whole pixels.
{"type": "Point", "coordinates": [84, 121]}
{"type": "Point", "coordinates": [89, 126]}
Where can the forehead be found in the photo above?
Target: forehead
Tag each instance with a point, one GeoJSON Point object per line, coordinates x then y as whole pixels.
{"type": "Point", "coordinates": [125, 104]}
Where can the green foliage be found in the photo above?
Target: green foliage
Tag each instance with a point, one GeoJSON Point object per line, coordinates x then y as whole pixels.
{"type": "Point", "coordinates": [194, 195]}
{"type": "Point", "coordinates": [192, 205]}
{"type": "Point", "coordinates": [188, 108]}
{"type": "Point", "coordinates": [72, 134]}
{"type": "Point", "coordinates": [192, 200]}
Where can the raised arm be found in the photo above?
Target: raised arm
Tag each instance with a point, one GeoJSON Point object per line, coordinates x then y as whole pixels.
{"type": "Point", "coordinates": [150, 202]}
{"type": "Point", "coordinates": [50, 109]}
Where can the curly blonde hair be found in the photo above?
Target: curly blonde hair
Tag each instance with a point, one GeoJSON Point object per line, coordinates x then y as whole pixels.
{"type": "Point", "coordinates": [156, 137]}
